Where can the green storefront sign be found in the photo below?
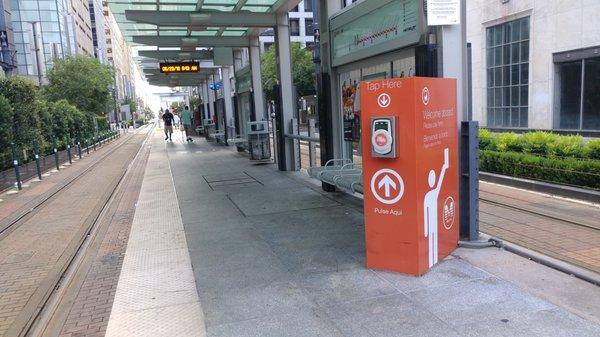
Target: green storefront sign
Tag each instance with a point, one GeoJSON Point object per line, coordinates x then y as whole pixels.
{"type": "Point", "coordinates": [374, 27]}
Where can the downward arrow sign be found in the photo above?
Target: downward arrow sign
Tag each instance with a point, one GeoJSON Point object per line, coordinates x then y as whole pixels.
{"type": "Point", "coordinates": [383, 100]}
{"type": "Point", "coordinates": [387, 182]}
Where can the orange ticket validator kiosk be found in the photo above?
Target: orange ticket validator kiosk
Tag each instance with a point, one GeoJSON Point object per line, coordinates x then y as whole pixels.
{"type": "Point", "coordinates": [410, 172]}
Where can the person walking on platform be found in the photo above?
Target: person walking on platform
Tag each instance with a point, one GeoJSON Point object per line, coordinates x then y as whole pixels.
{"type": "Point", "coordinates": [168, 119]}
{"type": "Point", "coordinates": [176, 119]}
{"type": "Point", "coordinates": [186, 120]}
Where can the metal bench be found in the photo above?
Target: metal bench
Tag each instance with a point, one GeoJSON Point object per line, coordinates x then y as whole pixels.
{"type": "Point", "coordinates": [341, 173]}
{"type": "Point", "coordinates": [333, 164]}
{"type": "Point", "coordinates": [218, 136]}
{"type": "Point", "coordinates": [331, 176]}
{"type": "Point", "coordinates": [350, 182]}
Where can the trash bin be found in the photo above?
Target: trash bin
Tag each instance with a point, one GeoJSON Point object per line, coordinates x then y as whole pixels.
{"type": "Point", "coordinates": [209, 128]}
{"type": "Point", "coordinates": [258, 142]}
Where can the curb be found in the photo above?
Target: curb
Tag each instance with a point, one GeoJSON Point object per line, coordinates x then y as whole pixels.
{"type": "Point", "coordinates": [543, 187]}
{"type": "Point", "coordinates": [565, 267]}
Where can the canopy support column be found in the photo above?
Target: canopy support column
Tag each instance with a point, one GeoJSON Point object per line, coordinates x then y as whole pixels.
{"type": "Point", "coordinates": [286, 92]}
{"type": "Point", "coordinates": [205, 101]}
{"type": "Point", "coordinates": [211, 100]}
{"type": "Point", "coordinates": [229, 122]}
{"type": "Point", "coordinates": [257, 89]}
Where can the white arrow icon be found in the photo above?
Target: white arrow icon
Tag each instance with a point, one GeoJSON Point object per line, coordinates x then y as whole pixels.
{"type": "Point", "coordinates": [387, 182]}
{"type": "Point", "coordinates": [392, 183]}
{"type": "Point", "coordinates": [384, 100]}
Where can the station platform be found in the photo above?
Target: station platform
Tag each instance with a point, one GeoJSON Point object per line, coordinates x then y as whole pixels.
{"type": "Point", "coordinates": [194, 240]}
{"type": "Point", "coordinates": [221, 247]}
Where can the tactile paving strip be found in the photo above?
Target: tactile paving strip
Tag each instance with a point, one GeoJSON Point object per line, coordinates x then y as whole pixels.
{"type": "Point", "coordinates": [156, 294]}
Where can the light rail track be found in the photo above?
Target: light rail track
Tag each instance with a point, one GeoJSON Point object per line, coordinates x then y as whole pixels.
{"type": "Point", "coordinates": [538, 213]}
{"type": "Point", "coordinates": [36, 314]}
{"type": "Point", "coordinates": [14, 222]}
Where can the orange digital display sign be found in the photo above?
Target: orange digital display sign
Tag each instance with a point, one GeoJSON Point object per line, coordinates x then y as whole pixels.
{"type": "Point", "coordinates": [410, 172]}
{"type": "Point", "coordinates": [179, 67]}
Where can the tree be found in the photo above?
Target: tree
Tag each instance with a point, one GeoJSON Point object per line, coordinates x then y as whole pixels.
{"type": "Point", "coordinates": [132, 104]}
{"type": "Point", "coordinates": [6, 123]}
{"type": "Point", "coordinates": [195, 102]}
{"type": "Point", "coordinates": [303, 71]}
{"type": "Point", "coordinates": [149, 113]}
{"type": "Point", "coordinates": [82, 80]}
{"type": "Point", "coordinates": [22, 95]}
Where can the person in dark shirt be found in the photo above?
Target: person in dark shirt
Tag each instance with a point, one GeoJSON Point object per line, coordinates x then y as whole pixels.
{"type": "Point", "coordinates": [168, 119]}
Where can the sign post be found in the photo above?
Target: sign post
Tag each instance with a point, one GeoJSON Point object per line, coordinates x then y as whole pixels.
{"type": "Point", "coordinates": [410, 166]}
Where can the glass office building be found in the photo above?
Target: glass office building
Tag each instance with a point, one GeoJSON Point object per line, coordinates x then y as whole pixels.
{"type": "Point", "coordinates": [50, 18]}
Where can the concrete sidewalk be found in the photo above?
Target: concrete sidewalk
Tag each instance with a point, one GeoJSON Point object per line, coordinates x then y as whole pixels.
{"type": "Point", "coordinates": [272, 255]}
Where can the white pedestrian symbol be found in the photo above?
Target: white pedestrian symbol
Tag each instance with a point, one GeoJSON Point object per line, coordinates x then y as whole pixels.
{"type": "Point", "coordinates": [430, 209]}
{"type": "Point", "coordinates": [392, 184]}
{"type": "Point", "coordinates": [384, 100]}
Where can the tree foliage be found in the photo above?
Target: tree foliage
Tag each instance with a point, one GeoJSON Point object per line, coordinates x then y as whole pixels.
{"type": "Point", "coordinates": [132, 104]}
{"type": "Point", "coordinates": [81, 80]}
{"type": "Point", "coordinates": [21, 93]}
{"type": "Point", "coordinates": [303, 71]}
{"type": "Point", "coordinates": [6, 123]}
{"type": "Point", "coordinates": [195, 102]}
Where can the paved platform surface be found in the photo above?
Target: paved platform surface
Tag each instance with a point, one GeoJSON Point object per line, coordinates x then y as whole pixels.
{"type": "Point", "coordinates": [273, 256]}
{"type": "Point", "coordinates": [557, 227]}
{"type": "Point", "coordinates": [34, 253]}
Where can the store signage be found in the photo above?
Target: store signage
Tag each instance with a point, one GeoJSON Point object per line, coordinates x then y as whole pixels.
{"type": "Point", "coordinates": [373, 27]}
{"type": "Point", "coordinates": [179, 67]}
{"type": "Point", "coordinates": [443, 12]}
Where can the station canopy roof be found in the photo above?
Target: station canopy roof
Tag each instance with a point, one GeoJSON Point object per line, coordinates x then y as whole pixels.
{"type": "Point", "coordinates": [188, 29]}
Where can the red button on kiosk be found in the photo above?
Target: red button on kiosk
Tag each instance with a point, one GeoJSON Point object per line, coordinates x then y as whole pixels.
{"type": "Point", "coordinates": [410, 166]}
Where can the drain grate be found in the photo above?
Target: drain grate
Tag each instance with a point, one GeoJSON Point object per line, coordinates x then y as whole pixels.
{"type": "Point", "coordinates": [221, 180]}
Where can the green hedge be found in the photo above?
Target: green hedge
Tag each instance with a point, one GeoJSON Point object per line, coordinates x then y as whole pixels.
{"type": "Point", "coordinates": [540, 143]}
{"type": "Point", "coordinates": [570, 171]}
{"type": "Point", "coordinates": [543, 156]}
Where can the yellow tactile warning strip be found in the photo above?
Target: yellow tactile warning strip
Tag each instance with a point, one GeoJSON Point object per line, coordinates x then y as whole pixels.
{"type": "Point", "coordinates": [156, 294]}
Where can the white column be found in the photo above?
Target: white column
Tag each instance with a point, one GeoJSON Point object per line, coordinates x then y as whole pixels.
{"type": "Point", "coordinates": [285, 79]}
{"type": "Point", "coordinates": [257, 89]}
{"type": "Point", "coordinates": [211, 100]}
{"type": "Point", "coordinates": [454, 60]}
{"type": "Point", "coordinates": [228, 117]}
{"type": "Point", "coordinates": [205, 100]}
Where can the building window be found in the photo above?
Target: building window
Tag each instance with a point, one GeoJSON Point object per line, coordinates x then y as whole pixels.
{"type": "Point", "coordinates": [308, 5]}
{"type": "Point", "coordinates": [294, 27]}
{"type": "Point", "coordinates": [295, 9]}
{"type": "Point", "coordinates": [308, 27]}
{"type": "Point", "coordinates": [508, 74]}
{"type": "Point", "coordinates": [578, 91]}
